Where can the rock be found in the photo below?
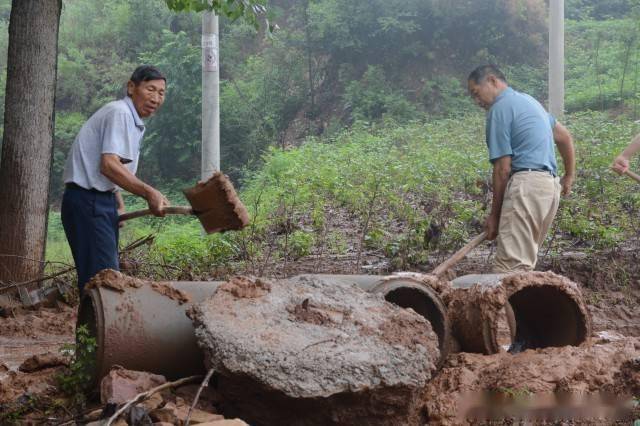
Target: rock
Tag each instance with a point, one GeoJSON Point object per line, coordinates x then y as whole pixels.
{"type": "Point", "coordinates": [93, 416]}
{"type": "Point", "coordinates": [120, 385]}
{"type": "Point", "coordinates": [3, 368]}
{"type": "Point", "coordinates": [165, 414]}
{"type": "Point", "coordinates": [177, 413]}
{"type": "Point", "coordinates": [314, 351]}
{"type": "Point", "coordinates": [226, 422]}
{"type": "Point", "coordinates": [153, 402]}
{"type": "Point", "coordinates": [199, 416]}
{"type": "Point", "coordinates": [42, 361]}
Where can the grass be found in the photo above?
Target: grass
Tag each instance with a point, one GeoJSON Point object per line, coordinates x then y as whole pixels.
{"type": "Point", "coordinates": [406, 191]}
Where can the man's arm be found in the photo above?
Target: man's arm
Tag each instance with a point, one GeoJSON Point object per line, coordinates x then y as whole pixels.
{"type": "Point", "coordinates": [564, 142]}
{"type": "Point", "coordinates": [501, 171]}
{"type": "Point", "coordinates": [116, 172]}
{"type": "Point", "coordinates": [621, 163]}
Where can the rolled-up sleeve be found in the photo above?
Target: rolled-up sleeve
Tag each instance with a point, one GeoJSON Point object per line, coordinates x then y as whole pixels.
{"type": "Point", "coordinates": [116, 137]}
{"type": "Point", "coordinates": [498, 133]}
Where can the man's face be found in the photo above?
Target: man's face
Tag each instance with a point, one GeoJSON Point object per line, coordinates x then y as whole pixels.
{"type": "Point", "coordinates": [147, 96]}
{"type": "Point", "coordinates": [484, 93]}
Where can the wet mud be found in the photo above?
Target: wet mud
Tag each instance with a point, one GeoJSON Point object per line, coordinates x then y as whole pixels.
{"type": "Point", "coordinates": [217, 205]}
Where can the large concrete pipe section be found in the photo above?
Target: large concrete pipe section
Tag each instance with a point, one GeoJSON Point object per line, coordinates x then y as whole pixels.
{"type": "Point", "coordinates": [542, 310]}
{"type": "Point", "coordinates": [143, 325]}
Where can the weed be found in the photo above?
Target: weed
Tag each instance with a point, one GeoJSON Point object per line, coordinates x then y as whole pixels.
{"type": "Point", "coordinates": [75, 381]}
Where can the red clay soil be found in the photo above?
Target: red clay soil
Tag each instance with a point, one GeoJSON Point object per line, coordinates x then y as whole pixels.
{"type": "Point", "coordinates": [606, 364]}
{"type": "Point", "coordinates": [600, 368]}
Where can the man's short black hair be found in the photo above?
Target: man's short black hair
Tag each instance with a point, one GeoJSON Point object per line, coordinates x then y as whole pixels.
{"type": "Point", "coordinates": [146, 73]}
{"type": "Point", "coordinates": [479, 74]}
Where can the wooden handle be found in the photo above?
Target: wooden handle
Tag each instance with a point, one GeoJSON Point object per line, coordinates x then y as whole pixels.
{"type": "Point", "coordinates": [632, 175]}
{"type": "Point", "coordinates": [459, 255]}
{"type": "Point", "coordinates": [167, 210]}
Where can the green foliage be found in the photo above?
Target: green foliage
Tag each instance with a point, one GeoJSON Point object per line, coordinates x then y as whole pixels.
{"type": "Point", "coordinates": [172, 140]}
{"type": "Point", "coordinates": [185, 247]}
{"type": "Point", "coordinates": [446, 96]}
{"type": "Point", "coordinates": [372, 98]}
{"type": "Point", "coordinates": [74, 383]}
{"type": "Point", "coordinates": [249, 10]}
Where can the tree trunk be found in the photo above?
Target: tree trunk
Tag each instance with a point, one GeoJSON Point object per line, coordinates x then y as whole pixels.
{"type": "Point", "coordinates": [28, 137]}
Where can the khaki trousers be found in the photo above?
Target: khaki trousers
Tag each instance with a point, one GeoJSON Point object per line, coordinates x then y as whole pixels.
{"type": "Point", "coordinates": [530, 203]}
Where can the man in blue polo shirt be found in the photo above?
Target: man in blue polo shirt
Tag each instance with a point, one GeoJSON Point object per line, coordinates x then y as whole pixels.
{"type": "Point", "coordinates": [520, 135]}
{"type": "Point", "coordinates": [102, 160]}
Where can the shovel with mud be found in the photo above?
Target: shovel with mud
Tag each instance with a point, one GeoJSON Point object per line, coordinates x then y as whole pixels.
{"type": "Point", "coordinates": [214, 202]}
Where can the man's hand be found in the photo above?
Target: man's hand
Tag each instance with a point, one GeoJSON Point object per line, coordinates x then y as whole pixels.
{"type": "Point", "coordinates": [566, 182]}
{"type": "Point", "coordinates": [156, 201]}
{"type": "Point", "coordinates": [620, 165]}
{"type": "Point", "coordinates": [491, 227]}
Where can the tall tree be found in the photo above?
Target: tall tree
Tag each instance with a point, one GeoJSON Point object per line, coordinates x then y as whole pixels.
{"type": "Point", "coordinates": [28, 137]}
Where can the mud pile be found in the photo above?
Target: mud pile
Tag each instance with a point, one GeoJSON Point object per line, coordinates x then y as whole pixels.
{"type": "Point", "coordinates": [310, 351]}
{"type": "Point", "coordinates": [601, 368]}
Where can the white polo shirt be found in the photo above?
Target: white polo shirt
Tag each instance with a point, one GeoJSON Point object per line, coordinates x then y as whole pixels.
{"type": "Point", "coordinates": [116, 128]}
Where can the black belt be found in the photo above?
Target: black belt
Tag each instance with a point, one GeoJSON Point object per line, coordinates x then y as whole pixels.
{"type": "Point", "coordinates": [514, 171]}
{"type": "Point", "coordinates": [71, 185]}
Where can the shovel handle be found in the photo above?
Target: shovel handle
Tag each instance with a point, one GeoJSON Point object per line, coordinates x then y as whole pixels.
{"type": "Point", "coordinates": [459, 255]}
{"type": "Point", "coordinates": [167, 210]}
{"type": "Point", "coordinates": [632, 175]}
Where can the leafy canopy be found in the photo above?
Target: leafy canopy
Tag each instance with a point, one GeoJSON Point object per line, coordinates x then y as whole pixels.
{"type": "Point", "coordinates": [249, 10]}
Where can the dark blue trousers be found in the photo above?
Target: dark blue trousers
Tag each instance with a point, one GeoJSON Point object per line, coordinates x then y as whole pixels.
{"type": "Point", "coordinates": [90, 221]}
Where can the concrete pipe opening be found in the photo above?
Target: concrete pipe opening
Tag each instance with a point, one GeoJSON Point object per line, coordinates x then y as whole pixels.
{"type": "Point", "coordinates": [516, 312]}
{"type": "Point", "coordinates": [407, 293]}
{"type": "Point", "coordinates": [423, 304]}
{"type": "Point", "coordinates": [546, 316]}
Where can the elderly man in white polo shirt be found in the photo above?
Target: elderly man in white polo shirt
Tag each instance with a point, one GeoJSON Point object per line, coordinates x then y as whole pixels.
{"type": "Point", "coordinates": [102, 160]}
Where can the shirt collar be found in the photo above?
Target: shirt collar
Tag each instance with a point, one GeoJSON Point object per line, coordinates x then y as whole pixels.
{"type": "Point", "coordinates": [504, 93]}
{"type": "Point", "coordinates": [136, 117]}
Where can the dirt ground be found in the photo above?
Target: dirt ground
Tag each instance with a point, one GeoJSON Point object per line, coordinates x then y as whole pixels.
{"type": "Point", "coordinates": [500, 385]}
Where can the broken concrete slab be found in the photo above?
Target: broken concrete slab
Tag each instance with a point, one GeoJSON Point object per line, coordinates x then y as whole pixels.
{"type": "Point", "coordinates": [312, 351]}
{"type": "Point", "coordinates": [120, 385]}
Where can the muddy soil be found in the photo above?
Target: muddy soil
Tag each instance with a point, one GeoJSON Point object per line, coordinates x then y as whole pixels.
{"type": "Point", "coordinates": [609, 362]}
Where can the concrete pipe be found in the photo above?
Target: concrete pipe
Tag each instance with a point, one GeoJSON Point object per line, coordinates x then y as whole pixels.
{"type": "Point", "coordinates": [541, 309]}
{"type": "Point", "coordinates": [142, 325]}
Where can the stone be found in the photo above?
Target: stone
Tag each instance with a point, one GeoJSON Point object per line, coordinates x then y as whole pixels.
{"type": "Point", "coordinates": [314, 349]}
{"type": "Point", "coordinates": [120, 385]}
{"type": "Point", "coordinates": [153, 402]}
{"type": "Point", "coordinates": [42, 361]}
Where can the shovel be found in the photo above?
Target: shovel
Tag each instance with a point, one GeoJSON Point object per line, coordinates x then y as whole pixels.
{"type": "Point", "coordinates": [214, 202]}
{"type": "Point", "coordinates": [460, 254]}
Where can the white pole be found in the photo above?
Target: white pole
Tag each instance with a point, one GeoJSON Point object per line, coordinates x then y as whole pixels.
{"type": "Point", "coordinates": [210, 96]}
{"type": "Point", "coordinates": [556, 57]}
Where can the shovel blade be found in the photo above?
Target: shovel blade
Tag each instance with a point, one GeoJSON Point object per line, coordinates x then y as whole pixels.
{"type": "Point", "coordinates": [217, 205]}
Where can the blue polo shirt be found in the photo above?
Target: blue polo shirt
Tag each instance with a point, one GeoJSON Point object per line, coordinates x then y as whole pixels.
{"type": "Point", "coordinates": [517, 125]}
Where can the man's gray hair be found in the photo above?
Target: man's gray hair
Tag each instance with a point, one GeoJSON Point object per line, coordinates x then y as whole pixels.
{"type": "Point", "coordinates": [483, 71]}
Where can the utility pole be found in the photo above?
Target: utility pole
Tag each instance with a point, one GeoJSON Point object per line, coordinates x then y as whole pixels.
{"type": "Point", "coordinates": [210, 96]}
{"type": "Point", "coordinates": [556, 58]}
